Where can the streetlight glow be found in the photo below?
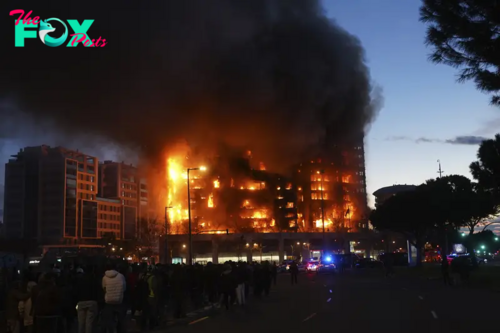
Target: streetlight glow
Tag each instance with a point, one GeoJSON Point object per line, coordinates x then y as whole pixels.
{"type": "Point", "coordinates": [203, 168]}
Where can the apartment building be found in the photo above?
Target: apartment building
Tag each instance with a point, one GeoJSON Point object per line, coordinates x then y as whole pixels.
{"type": "Point", "coordinates": [53, 194]}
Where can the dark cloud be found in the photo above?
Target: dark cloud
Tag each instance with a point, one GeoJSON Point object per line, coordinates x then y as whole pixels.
{"type": "Point", "coordinates": [399, 138]}
{"type": "Point", "coordinates": [458, 140]}
{"type": "Point", "coordinates": [427, 140]}
{"type": "Point", "coordinates": [467, 140]}
{"type": "Point", "coordinates": [275, 75]}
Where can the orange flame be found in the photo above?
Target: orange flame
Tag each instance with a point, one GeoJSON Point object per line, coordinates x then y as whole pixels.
{"type": "Point", "coordinates": [211, 201]}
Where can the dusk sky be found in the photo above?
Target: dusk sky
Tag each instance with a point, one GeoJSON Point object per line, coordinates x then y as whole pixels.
{"type": "Point", "coordinates": [422, 100]}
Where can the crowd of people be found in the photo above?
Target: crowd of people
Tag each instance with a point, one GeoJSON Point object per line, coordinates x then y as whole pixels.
{"type": "Point", "coordinates": [90, 298]}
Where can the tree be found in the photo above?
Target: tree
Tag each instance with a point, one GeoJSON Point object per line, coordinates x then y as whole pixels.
{"type": "Point", "coordinates": [406, 213]}
{"type": "Point", "coordinates": [457, 202]}
{"type": "Point", "coordinates": [466, 34]}
{"type": "Point", "coordinates": [477, 208]}
{"type": "Point", "coordinates": [150, 231]}
{"type": "Point", "coordinates": [486, 170]}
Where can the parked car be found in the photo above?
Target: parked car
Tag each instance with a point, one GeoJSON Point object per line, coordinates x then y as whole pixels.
{"type": "Point", "coordinates": [312, 266]}
{"type": "Point", "coordinates": [369, 263]}
{"type": "Point", "coordinates": [326, 268]}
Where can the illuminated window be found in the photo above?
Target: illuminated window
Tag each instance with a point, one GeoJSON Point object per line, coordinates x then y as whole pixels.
{"type": "Point", "coordinates": [289, 205]}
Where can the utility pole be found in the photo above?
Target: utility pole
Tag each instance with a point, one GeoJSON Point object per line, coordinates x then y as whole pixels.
{"type": "Point", "coordinates": [445, 229]}
{"type": "Point", "coordinates": [439, 170]}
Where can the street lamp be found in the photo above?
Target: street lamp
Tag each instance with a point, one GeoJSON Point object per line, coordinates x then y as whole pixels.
{"type": "Point", "coordinates": [190, 256]}
{"type": "Point", "coordinates": [166, 235]}
{"type": "Point", "coordinates": [323, 211]}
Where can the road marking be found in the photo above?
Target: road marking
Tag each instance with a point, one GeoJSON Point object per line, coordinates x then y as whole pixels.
{"type": "Point", "coordinates": [324, 285]}
{"type": "Point", "coordinates": [434, 315]}
{"type": "Point", "coordinates": [198, 320]}
{"type": "Point", "coordinates": [328, 300]}
{"type": "Point", "coordinates": [309, 317]}
{"type": "Point", "coordinates": [421, 298]}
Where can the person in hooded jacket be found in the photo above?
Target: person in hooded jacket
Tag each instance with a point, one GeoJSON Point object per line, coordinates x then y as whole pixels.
{"type": "Point", "coordinates": [114, 286]}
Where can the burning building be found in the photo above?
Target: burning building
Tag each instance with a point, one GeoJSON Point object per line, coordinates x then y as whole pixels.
{"type": "Point", "coordinates": [231, 196]}
{"type": "Point", "coordinates": [332, 191]}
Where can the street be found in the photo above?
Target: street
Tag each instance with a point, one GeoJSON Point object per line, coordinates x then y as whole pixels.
{"type": "Point", "coordinates": [359, 302]}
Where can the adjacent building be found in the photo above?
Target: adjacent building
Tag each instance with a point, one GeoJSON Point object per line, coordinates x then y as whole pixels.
{"type": "Point", "coordinates": [43, 190]}
{"type": "Point", "coordinates": [55, 195]}
{"type": "Point", "coordinates": [384, 193]}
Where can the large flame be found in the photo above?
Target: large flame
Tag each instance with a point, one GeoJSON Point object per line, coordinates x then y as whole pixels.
{"type": "Point", "coordinates": [176, 186]}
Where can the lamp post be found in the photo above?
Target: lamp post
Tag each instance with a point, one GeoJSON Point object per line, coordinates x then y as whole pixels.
{"type": "Point", "coordinates": [190, 253]}
{"type": "Point", "coordinates": [166, 236]}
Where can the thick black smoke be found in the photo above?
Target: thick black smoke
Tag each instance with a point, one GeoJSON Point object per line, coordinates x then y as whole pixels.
{"type": "Point", "coordinates": [273, 75]}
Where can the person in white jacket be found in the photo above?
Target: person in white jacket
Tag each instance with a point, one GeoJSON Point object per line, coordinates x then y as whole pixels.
{"type": "Point", "coordinates": [114, 286]}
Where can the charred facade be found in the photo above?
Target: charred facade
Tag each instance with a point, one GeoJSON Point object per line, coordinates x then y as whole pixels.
{"type": "Point", "coordinates": [238, 195]}
{"type": "Point", "coordinates": [332, 191]}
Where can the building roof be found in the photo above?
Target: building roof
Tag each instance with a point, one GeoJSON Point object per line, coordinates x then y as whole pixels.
{"type": "Point", "coordinates": [108, 200]}
{"type": "Point", "coordinates": [388, 190]}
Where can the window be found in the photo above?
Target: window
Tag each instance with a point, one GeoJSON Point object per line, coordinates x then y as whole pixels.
{"type": "Point", "coordinates": [289, 205]}
{"type": "Point", "coordinates": [90, 169]}
{"type": "Point", "coordinates": [71, 183]}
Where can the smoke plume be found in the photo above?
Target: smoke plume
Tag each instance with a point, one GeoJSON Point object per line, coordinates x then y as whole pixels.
{"type": "Point", "coordinates": [271, 75]}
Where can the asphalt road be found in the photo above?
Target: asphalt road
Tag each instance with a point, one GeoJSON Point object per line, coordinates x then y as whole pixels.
{"type": "Point", "coordinates": [357, 302]}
